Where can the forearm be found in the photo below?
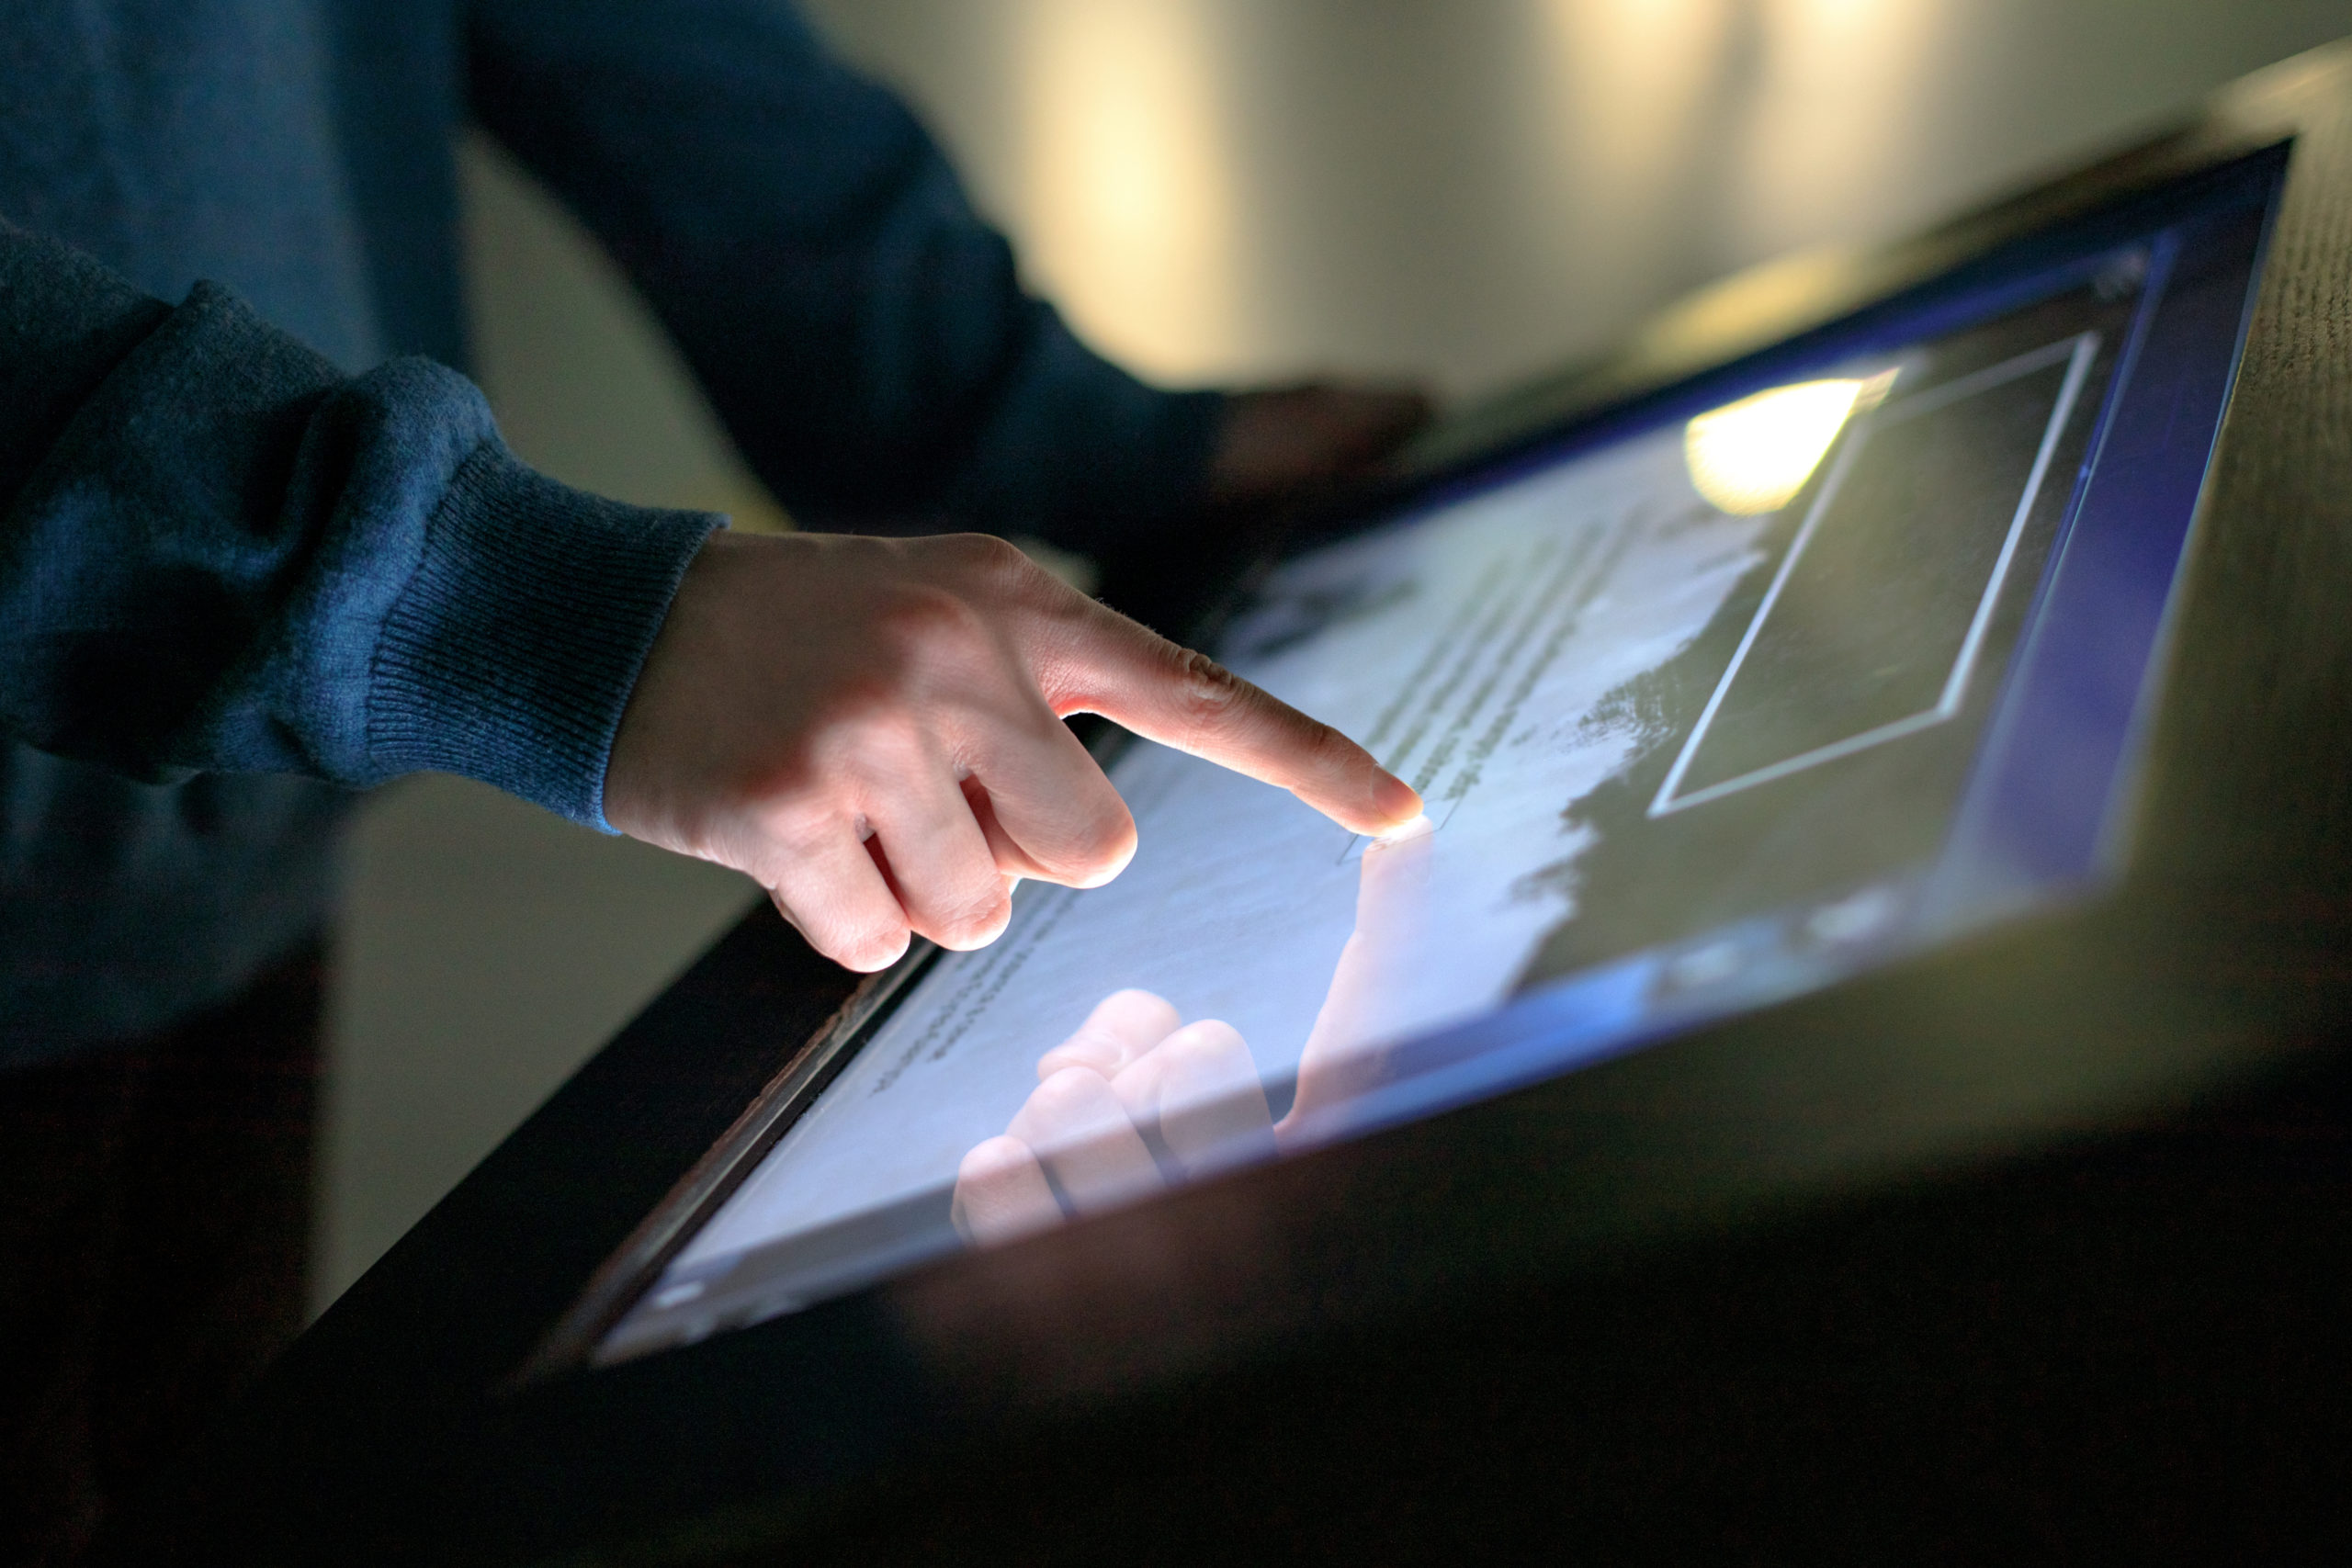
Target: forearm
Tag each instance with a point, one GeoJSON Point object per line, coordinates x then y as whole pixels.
{"type": "Point", "coordinates": [218, 553]}
{"type": "Point", "coordinates": [862, 332]}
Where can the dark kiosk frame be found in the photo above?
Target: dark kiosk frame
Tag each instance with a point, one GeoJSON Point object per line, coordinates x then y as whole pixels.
{"type": "Point", "coordinates": [2024, 1242]}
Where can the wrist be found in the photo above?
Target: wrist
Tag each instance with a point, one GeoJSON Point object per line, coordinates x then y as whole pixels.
{"type": "Point", "coordinates": [511, 653]}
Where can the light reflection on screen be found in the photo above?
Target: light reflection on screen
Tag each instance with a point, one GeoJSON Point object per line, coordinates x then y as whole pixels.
{"type": "Point", "coordinates": [1692, 713]}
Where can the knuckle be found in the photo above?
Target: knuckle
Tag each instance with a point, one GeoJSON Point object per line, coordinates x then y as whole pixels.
{"type": "Point", "coordinates": [985, 559]}
{"type": "Point", "coordinates": [1104, 841]}
{"type": "Point", "coordinates": [992, 554]}
{"type": "Point", "coordinates": [869, 945]}
{"type": "Point", "coordinates": [860, 736]}
{"type": "Point", "coordinates": [976, 920]}
{"type": "Point", "coordinates": [1325, 749]}
{"type": "Point", "coordinates": [1207, 692]}
{"type": "Point", "coordinates": [917, 621]}
{"type": "Point", "coordinates": [838, 722]}
{"type": "Point", "coordinates": [798, 823]}
{"type": "Point", "coordinates": [883, 751]}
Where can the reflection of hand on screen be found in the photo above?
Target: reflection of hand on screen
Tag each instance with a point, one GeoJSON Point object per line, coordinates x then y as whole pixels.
{"type": "Point", "coordinates": [1134, 1076]}
{"type": "Point", "coordinates": [1365, 1003]}
{"type": "Point", "coordinates": [1131, 1076]}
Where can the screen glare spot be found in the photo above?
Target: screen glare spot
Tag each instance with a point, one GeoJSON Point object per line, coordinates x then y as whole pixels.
{"type": "Point", "coordinates": [1752, 456]}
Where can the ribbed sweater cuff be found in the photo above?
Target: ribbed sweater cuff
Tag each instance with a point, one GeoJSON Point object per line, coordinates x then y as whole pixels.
{"type": "Point", "coordinates": [512, 652]}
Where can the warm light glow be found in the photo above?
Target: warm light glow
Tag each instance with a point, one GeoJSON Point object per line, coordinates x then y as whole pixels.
{"type": "Point", "coordinates": [1841, 87]}
{"type": "Point", "coordinates": [1605, 108]}
{"type": "Point", "coordinates": [1752, 456]}
{"type": "Point", "coordinates": [1130, 219]}
{"type": "Point", "coordinates": [1632, 83]}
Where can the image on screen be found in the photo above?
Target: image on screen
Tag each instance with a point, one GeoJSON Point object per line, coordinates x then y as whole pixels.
{"type": "Point", "coordinates": [1692, 711]}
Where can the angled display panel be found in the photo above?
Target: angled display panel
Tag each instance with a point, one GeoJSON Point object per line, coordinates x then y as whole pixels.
{"type": "Point", "coordinates": [1760, 684]}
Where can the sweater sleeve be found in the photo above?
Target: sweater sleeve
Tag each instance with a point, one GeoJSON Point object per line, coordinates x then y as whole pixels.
{"type": "Point", "coordinates": [863, 334]}
{"type": "Point", "coordinates": [218, 553]}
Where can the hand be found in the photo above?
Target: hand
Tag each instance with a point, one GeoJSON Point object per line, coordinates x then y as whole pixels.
{"type": "Point", "coordinates": [871, 729]}
{"type": "Point", "coordinates": [1135, 1073]}
{"type": "Point", "coordinates": [1132, 1069]}
{"type": "Point", "coordinates": [1286, 438]}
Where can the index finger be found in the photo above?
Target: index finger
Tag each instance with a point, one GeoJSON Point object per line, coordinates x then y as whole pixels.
{"type": "Point", "coordinates": [1163, 691]}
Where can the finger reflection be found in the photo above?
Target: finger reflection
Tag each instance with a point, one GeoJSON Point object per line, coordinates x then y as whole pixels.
{"type": "Point", "coordinates": [1136, 1100]}
{"type": "Point", "coordinates": [1089, 1146]}
{"type": "Point", "coordinates": [1123, 1026]}
{"type": "Point", "coordinates": [1198, 1092]}
{"type": "Point", "coordinates": [1002, 1194]}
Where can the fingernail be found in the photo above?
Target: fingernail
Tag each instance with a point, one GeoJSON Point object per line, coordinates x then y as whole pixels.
{"type": "Point", "coordinates": [1395, 800]}
{"type": "Point", "coordinates": [1412, 827]}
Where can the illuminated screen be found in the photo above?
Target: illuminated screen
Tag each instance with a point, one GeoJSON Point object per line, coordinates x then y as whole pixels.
{"type": "Point", "coordinates": [1710, 706]}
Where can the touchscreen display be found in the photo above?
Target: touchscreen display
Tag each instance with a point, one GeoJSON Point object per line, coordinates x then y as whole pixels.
{"type": "Point", "coordinates": [1706, 712]}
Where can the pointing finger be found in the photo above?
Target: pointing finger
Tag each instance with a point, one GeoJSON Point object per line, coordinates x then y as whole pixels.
{"type": "Point", "coordinates": [1180, 698]}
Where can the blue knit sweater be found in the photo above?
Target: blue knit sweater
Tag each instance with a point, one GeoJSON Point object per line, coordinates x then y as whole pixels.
{"type": "Point", "coordinates": [261, 548]}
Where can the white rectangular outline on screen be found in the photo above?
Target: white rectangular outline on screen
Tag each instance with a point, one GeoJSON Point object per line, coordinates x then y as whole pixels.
{"type": "Point", "coordinates": [2079, 350]}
